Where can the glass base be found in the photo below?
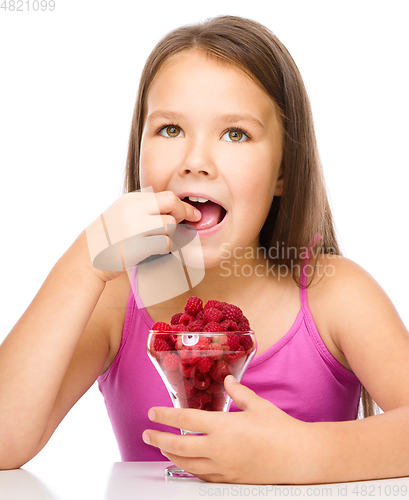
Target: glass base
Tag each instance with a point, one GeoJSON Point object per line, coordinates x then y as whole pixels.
{"type": "Point", "coordinates": [175, 471]}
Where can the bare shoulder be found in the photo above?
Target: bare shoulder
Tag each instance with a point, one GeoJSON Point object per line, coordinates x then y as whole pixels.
{"type": "Point", "coordinates": [366, 327]}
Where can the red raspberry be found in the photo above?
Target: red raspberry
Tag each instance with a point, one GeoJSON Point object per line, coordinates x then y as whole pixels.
{"type": "Point", "coordinates": [160, 326]}
{"type": "Point", "coordinates": [185, 319]}
{"type": "Point", "coordinates": [219, 370]}
{"type": "Point", "coordinates": [175, 319]}
{"type": "Point", "coordinates": [196, 326]}
{"type": "Point", "coordinates": [171, 361]}
{"type": "Point", "coordinates": [232, 312]}
{"type": "Point", "coordinates": [244, 325]}
{"type": "Point", "coordinates": [246, 341]}
{"type": "Point", "coordinates": [186, 390]}
{"type": "Point", "coordinates": [201, 381]}
{"type": "Point", "coordinates": [159, 344]}
{"type": "Point", "coordinates": [218, 402]}
{"type": "Point", "coordinates": [229, 325]}
{"type": "Point", "coordinates": [179, 328]}
{"type": "Point", "coordinates": [187, 370]}
{"type": "Point", "coordinates": [215, 388]}
{"type": "Point", "coordinates": [199, 400]}
{"type": "Point", "coordinates": [212, 315]}
{"type": "Point", "coordinates": [235, 356]}
{"type": "Point", "coordinates": [174, 377]}
{"type": "Point", "coordinates": [212, 303]}
{"type": "Point", "coordinates": [213, 327]}
{"type": "Point", "coordinates": [189, 356]}
{"type": "Point", "coordinates": [193, 305]}
{"type": "Point", "coordinates": [203, 343]}
{"type": "Point", "coordinates": [199, 315]}
{"type": "Point", "coordinates": [230, 341]}
{"type": "Point", "coordinates": [214, 351]}
{"type": "Point", "coordinates": [204, 364]}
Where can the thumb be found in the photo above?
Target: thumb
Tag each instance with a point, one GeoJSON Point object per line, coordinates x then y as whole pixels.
{"type": "Point", "coordinates": [242, 396]}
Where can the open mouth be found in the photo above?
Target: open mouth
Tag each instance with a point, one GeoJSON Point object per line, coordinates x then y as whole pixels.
{"type": "Point", "coordinates": [212, 213]}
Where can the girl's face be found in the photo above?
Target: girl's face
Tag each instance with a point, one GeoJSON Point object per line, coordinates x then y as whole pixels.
{"type": "Point", "coordinates": [211, 132]}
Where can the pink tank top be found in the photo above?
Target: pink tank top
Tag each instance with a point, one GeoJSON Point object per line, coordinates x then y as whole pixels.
{"type": "Point", "coordinates": [298, 374]}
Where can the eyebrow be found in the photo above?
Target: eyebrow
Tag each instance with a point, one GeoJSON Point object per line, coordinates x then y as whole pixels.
{"type": "Point", "coordinates": [229, 117]}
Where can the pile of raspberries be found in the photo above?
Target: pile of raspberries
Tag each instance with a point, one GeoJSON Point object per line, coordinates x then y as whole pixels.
{"type": "Point", "coordinates": [196, 372]}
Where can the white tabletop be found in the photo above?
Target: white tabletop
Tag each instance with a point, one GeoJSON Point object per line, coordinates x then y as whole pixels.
{"type": "Point", "coordinates": [146, 480]}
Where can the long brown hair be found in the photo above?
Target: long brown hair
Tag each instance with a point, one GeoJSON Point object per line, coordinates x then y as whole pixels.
{"type": "Point", "coordinates": [303, 210]}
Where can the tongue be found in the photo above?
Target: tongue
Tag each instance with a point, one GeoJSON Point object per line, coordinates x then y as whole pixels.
{"type": "Point", "coordinates": [212, 214]}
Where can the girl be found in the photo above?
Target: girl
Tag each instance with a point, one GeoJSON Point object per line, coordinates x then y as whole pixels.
{"type": "Point", "coordinates": [222, 114]}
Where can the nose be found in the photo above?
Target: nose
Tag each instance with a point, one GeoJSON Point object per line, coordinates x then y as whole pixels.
{"type": "Point", "coordinates": [199, 160]}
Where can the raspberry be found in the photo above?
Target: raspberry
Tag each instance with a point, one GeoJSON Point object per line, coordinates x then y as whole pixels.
{"type": "Point", "coordinates": [234, 357]}
{"type": "Point", "coordinates": [185, 319]}
{"type": "Point", "coordinates": [215, 388]}
{"type": "Point", "coordinates": [187, 370]}
{"type": "Point", "coordinates": [213, 327]}
{"type": "Point", "coordinates": [219, 371]}
{"type": "Point", "coordinates": [193, 305]}
{"type": "Point", "coordinates": [218, 402]}
{"type": "Point", "coordinates": [246, 341]}
{"type": "Point", "coordinates": [174, 377]}
{"type": "Point", "coordinates": [212, 303]}
{"type": "Point", "coordinates": [231, 341]}
{"type": "Point", "coordinates": [199, 315]}
{"type": "Point", "coordinates": [201, 381]}
{"type": "Point", "coordinates": [196, 326]}
{"type": "Point", "coordinates": [214, 351]}
{"type": "Point", "coordinates": [204, 364]}
{"type": "Point", "coordinates": [186, 390]}
{"type": "Point", "coordinates": [175, 319]}
{"type": "Point", "coordinates": [232, 312]}
{"type": "Point", "coordinates": [160, 345]}
{"type": "Point", "coordinates": [171, 361]}
{"type": "Point", "coordinates": [189, 356]}
{"type": "Point", "coordinates": [229, 325]}
{"type": "Point", "coordinates": [179, 328]}
{"type": "Point", "coordinates": [200, 399]}
{"type": "Point", "coordinates": [203, 343]}
{"type": "Point", "coordinates": [160, 326]}
{"type": "Point", "coordinates": [244, 325]}
{"type": "Point", "coordinates": [212, 315]}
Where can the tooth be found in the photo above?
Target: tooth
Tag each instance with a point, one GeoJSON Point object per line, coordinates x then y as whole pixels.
{"type": "Point", "coordinates": [202, 200]}
{"type": "Point", "coordinates": [193, 198]}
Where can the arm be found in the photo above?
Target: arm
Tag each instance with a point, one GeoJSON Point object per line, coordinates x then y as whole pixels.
{"type": "Point", "coordinates": [35, 356]}
{"type": "Point", "coordinates": [281, 449]}
{"type": "Point", "coordinates": [62, 342]}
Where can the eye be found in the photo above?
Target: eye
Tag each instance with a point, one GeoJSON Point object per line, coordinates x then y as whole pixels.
{"type": "Point", "coordinates": [170, 131]}
{"type": "Point", "coordinates": [235, 135]}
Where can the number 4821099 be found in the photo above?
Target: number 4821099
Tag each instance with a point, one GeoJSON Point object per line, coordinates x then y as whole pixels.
{"type": "Point", "coordinates": [27, 5]}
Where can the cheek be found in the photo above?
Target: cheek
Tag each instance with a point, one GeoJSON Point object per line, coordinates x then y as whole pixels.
{"type": "Point", "coordinates": [150, 165]}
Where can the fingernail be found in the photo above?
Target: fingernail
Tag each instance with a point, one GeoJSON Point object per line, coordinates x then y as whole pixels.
{"type": "Point", "coordinates": [232, 378]}
{"type": "Point", "coordinates": [151, 415]}
{"type": "Point", "coordinates": [198, 213]}
{"type": "Point", "coordinates": [145, 438]}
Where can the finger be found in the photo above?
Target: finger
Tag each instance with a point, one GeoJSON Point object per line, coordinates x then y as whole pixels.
{"type": "Point", "coordinates": [186, 418]}
{"type": "Point", "coordinates": [187, 445]}
{"type": "Point", "coordinates": [169, 203]}
{"type": "Point", "coordinates": [242, 396]}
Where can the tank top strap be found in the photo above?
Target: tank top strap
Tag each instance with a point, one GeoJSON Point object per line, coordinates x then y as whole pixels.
{"type": "Point", "coordinates": [305, 270]}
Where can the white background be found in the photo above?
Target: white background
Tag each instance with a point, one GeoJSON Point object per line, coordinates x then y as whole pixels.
{"type": "Point", "coordinates": [67, 90]}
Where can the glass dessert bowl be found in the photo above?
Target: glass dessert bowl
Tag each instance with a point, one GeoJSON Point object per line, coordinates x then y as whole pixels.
{"type": "Point", "coordinates": [193, 366]}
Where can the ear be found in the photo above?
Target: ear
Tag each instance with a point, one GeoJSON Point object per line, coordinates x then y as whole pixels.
{"type": "Point", "coordinates": [280, 184]}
